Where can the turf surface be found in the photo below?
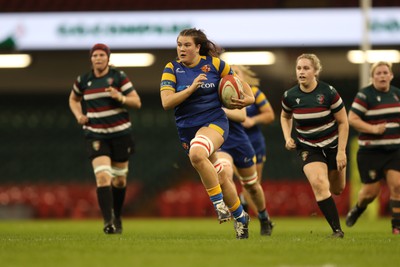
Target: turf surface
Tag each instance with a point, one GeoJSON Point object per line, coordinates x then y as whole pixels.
{"type": "Point", "coordinates": [196, 242]}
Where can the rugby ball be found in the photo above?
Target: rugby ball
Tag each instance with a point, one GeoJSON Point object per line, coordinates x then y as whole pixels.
{"type": "Point", "coordinates": [229, 87]}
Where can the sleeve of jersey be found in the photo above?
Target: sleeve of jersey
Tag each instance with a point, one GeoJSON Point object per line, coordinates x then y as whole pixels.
{"type": "Point", "coordinates": [336, 103]}
{"type": "Point", "coordinates": [222, 67]}
{"type": "Point", "coordinates": [261, 99]}
{"type": "Point", "coordinates": [397, 92]}
{"type": "Point", "coordinates": [76, 86]}
{"type": "Point", "coordinates": [126, 84]}
{"type": "Point", "coordinates": [285, 103]}
{"type": "Point", "coordinates": [359, 105]}
{"type": "Point", "coordinates": [168, 79]}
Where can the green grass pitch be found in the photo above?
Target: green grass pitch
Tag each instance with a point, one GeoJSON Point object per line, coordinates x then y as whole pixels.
{"type": "Point", "coordinates": [297, 242]}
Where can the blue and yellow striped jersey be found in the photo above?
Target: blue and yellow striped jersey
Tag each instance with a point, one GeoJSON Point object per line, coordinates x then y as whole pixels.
{"type": "Point", "coordinates": [203, 105]}
{"type": "Point", "coordinates": [261, 100]}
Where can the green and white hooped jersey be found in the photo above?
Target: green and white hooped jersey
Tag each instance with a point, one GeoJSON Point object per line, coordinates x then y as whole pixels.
{"type": "Point", "coordinates": [375, 107]}
{"type": "Point", "coordinates": [107, 117]}
{"type": "Point", "coordinates": [313, 114]}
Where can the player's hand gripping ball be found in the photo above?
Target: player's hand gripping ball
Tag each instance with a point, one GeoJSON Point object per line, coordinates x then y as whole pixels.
{"type": "Point", "coordinates": [230, 87]}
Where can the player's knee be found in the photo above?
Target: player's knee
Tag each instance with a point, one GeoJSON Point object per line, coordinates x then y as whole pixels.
{"type": "Point", "coordinates": [103, 169]}
{"type": "Point", "coordinates": [218, 166]}
{"type": "Point", "coordinates": [196, 159]}
{"type": "Point", "coordinates": [249, 181]}
{"type": "Point", "coordinates": [119, 176]}
{"type": "Point", "coordinates": [370, 195]}
{"type": "Point", "coordinates": [119, 171]}
{"type": "Point", "coordinates": [336, 191]}
{"type": "Point", "coordinates": [203, 142]}
{"type": "Point", "coordinates": [251, 188]}
{"type": "Point", "coordinates": [103, 175]}
{"type": "Point", "coordinates": [395, 192]}
{"type": "Point", "coordinates": [119, 181]}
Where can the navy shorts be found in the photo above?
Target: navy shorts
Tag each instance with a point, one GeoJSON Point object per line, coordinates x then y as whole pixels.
{"type": "Point", "coordinates": [243, 155]}
{"type": "Point", "coordinates": [260, 150]}
{"type": "Point", "coordinates": [187, 134]}
{"type": "Point", "coordinates": [310, 154]}
{"type": "Point", "coordinates": [373, 164]}
{"type": "Point", "coordinates": [118, 148]}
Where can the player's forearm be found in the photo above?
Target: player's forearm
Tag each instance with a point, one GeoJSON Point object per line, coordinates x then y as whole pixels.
{"type": "Point", "coordinates": [76, 108]}
{"type": "Point", "coordinates": [343, 128]}
{"type": "Point", "coordinates": [264, 118]}
{"type": "Point", "coordinates": [286, 125]}
{"type": "Point", "coordinates": [132, 101]}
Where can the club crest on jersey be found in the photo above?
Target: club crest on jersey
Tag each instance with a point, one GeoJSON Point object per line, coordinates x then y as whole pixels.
{"type": "Point", "coordinates": [304, 155]}
{"type": "Point", "coordinates": [96, 145]}
{"type": "Point", "coordinates": [206, 68]}
{"type": "Point", "coordinates": [320, 99]}
{"type": "Point", "coordinates": [110, 81]}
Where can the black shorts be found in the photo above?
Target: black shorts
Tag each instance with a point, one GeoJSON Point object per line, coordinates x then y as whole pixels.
{"type": "Point", "coordinates": [311, 154]}
{"type": "Point", "coordinates": [373, 164]}
{"type": "Point", "coordinates": [118, 148]}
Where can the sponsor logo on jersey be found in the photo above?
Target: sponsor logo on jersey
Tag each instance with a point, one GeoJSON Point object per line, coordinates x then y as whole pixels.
{"type": "Point", "coordinates": [207, 85]}
{"type": "Point", "coordinates": [297, 100]}
{"type": "Point", "coordinates": [179, 70]}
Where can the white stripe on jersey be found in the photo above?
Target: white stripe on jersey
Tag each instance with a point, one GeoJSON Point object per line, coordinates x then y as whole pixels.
{"type": "Point", "coordinates": [126, 86]}
{"type": "Point", "coordinates": [286, 107]}
{"type": "Point", "coordinates": [383, 111]}
{"type": "Point", "coordinates": [359, 107]}
{"type": "Point", "coordinates": [311, 115]}
{"type": "Point", "coordinates": [379, 142]}
{"type": "Point", "coordinates": [392, 125]}
{"type": "Point", "coordinates": [76, 89]}
{"type": "Point", "coordinates": [115, 129]}
{"type": "Point", "coordinates": [96, 95]}
{"type": "Point", "coordinates": [318, 129]}
{"type": "Point", "coordinates": [338, 103]}
{"type": "Point", "coordinates": [320, 144]}
{"type": "Point", "coordinates": [106, 113]}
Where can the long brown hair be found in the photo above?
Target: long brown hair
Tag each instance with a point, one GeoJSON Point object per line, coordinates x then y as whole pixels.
{"type": "Point", "coordinates": [207, 47]}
